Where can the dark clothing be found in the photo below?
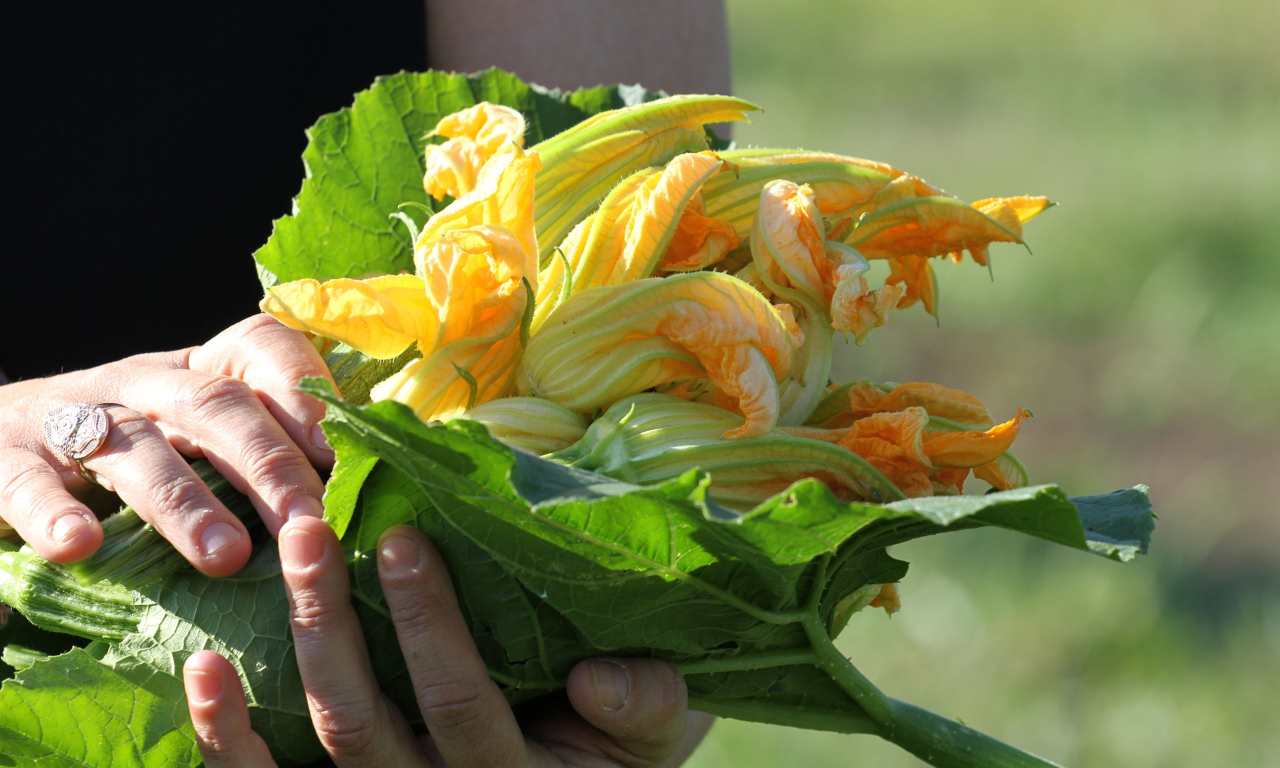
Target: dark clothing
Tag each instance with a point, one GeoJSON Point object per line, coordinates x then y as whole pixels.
{"type": "Point", "coordinates": [153, 150]}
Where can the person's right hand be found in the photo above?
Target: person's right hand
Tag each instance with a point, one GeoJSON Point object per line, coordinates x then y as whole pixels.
{"type": "Point", "coordinates": [614, 713]}
{"type": "Point", "coordinates": [232, 401]}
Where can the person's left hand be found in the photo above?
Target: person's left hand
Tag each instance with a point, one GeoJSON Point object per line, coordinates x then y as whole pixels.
{"type": "Point", "coordinates": [630, 713]}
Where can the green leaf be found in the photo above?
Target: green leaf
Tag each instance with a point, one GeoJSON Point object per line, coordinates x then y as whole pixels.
{"type": "Point", "coordinates": [73, 710]}
{"type": "Point", "coordinates": [363, 162]}
{"type": "Point", "coordinates": [659, 570]}
{"type": "Point", "coordinates": [553, 565]}
{"type": "Point", "coordinates": [244, 618]}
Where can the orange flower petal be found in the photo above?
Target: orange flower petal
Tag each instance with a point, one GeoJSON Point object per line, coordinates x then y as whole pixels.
{"type": "Point", "coordinates": [474, 279]}
{"type": "Point", "coordinates": [992, 474]}
{"type": "Point", "coordinates": [856, 309]}
{"type": "Point", "coordinates": [888, 599]}
{"type": "Point", "coordinates": [502, 197]}
{"type": "Point", "coordinates": [946, 402]}
{"type": "Point", "coordinates": [474, 135]}
{"type": "Point", "coordinates": [972, 449]}
{"type": "Point", "coordinates": [918, 281]}
{"type": "Point", "coordinates": [950, 480]}
{"type": "Point", "coordinates": [897, 435]}
{"type": "Point", "coordinates": [699, 241]}
{"type": "Point", "coordinates": [934, 226]}
{"type": "Point", "coordinates": [381, 316]}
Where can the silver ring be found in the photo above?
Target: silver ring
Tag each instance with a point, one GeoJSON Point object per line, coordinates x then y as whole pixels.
{"type": "Point", "coordinates": [76, 432]}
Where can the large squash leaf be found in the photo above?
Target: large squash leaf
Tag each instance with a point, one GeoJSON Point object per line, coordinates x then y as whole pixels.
{"type": "Point", "coordinates": [364, 162]}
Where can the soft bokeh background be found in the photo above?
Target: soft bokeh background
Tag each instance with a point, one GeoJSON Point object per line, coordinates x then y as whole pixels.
{"type": "Point", "coordinates": [1144, 332]}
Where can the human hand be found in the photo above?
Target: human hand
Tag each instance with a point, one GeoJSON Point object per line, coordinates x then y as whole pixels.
{"type": "Point", "coordinates": [231, 401]}
{"type": "Point", "coordinates": [629, 713]}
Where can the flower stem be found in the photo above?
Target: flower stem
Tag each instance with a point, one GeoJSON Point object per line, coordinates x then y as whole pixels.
{"type": "Point", "coordinates": [938, 741]}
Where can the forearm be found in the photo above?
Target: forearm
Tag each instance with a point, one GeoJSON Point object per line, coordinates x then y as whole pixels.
{"type": "Point", "coordinates": [680, 46]}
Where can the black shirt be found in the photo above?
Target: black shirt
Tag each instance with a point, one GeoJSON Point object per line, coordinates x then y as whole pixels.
{"type": "Point", "coordinates": [153, 150]}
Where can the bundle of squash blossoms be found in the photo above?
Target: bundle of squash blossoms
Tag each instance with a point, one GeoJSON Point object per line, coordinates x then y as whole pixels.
{"type": "Point", "coordinates": [626, 301]}
{"type": "Point", "coordinates": [605, 371]}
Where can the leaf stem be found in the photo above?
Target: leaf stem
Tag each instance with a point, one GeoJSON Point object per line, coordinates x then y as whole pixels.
{"type": "Point", "coordinates": [763, 711]}
{"type": "Point", "coordinates": [940, 742]}
{"type": "Point", "coordinates": [830, 660]}
{"type": "Point", "coordinates": [748, 661]}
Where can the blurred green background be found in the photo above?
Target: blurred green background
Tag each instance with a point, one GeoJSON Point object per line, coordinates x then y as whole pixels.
{"type": "Point", "coordinates": [1142, 332]}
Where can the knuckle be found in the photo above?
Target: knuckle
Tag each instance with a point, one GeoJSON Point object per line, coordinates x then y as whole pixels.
{"type": "Point", "coordinates": [217, 395]}
{"type": "Point", "coordinates": [259, 323]}
{"type": "Point", "coordinates": [295, 370]}
{"type": "Point", "coordinates": [347, 731]}
{"type": "Point", "coordinates": [214, 743]}
{"type": "Point", "coordinates": [310, 613]}
{"type": "Point", "coordinates": [453, 704]}
{"type": "Point", "coordinates": [412, 618]}
{"type": "Point", "coordinates": [18, 485]}
{"type": "Point", "coordinates": [269, 460]}
{"type": "Point", "coordinates": [170, 494]}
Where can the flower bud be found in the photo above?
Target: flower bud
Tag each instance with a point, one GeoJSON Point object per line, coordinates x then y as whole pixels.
{"type": "Point", "coordinates": [651, 437]}
{"type": "Point", "coordinates": [529, 423]}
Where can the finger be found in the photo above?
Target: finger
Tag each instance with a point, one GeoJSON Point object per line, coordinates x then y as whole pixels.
{"type": "Point", "coordinates": [218, 712]}
{"type": "Point", "coordinates": [151, 477]}
{"type": "Point", "coordinates": [467, 716]}
{"type": "Point", "coordinates": [38, 506]}
{"type": "Point", "coordinates": [352, 719]}
{"type": "Point", "coordinates": [222, 419]}
{"type": "Point", "coordinates": [641, 704]}
{"type": "Point", "coordinates": [272, 359]}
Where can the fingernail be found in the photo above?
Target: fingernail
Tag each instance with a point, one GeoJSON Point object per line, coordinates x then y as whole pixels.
{"type": "Point", "coordinates": [399, 557]}
{"type": "Point", "coordinates": [305, 506]}
{"type": "Point", "coordinates": [68, 528]}
{"type": "Point", "coordinates": [612, 682]}
{"type": "Point", "coordinates": [319, 440]}
{"type": "Point", "coordinates": [203, 687]}
{"type": "Point", "coordinates": [218, 537]}
{"type": "Point", "coordinates": [300, 548]}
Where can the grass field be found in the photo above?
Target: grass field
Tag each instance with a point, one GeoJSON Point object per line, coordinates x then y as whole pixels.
{"type": "Point", "coordinates": [1141, 331]}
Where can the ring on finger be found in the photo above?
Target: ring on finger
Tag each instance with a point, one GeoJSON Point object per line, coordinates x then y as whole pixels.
{"type": "Point", "coordinates": [76, 432]}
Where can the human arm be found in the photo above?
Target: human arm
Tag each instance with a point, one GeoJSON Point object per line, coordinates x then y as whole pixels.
{"type": "Point", "coordinates": [680, 46]}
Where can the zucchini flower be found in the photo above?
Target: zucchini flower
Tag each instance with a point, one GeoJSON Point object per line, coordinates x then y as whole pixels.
{"type": "Point", "coordinates": [624, 239]}
{"type": "Point", "coordinates": [473, 135]}
{"type": "Point", "coordinates": [613, 341]}
{"type": "Point", "coordinates": [476, 279]}
{"type": "Point", "coordinates": [530, 423]}
{"type": "Point", "coordinates": [581, 165]}
{"type": "Point", "coordinates": [909, 230]}
{"type": "Point", "coordinates": [925, 437]}
{"type": "Point", "coordinates": [957, 405]}
{"type": "Point", "coordinates": [901, 223]}
{"type": "Point", "coordinates": [792, 255]}
{"type": "Point", "coordinates": [840, 184]}
{"type": "Point", "coordinates": [464, 306]}
{"type": "Point", "coordinates": [502, 197]}
{"type": "Point", "coordinates": [464, 310]}
{"type": "Point", "coordinates": [652, 437]}
{"type": "Point", "coordinates": [824, 280]}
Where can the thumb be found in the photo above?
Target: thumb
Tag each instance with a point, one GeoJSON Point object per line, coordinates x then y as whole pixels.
{"type": "Point", "coordinates": [641, 704]}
